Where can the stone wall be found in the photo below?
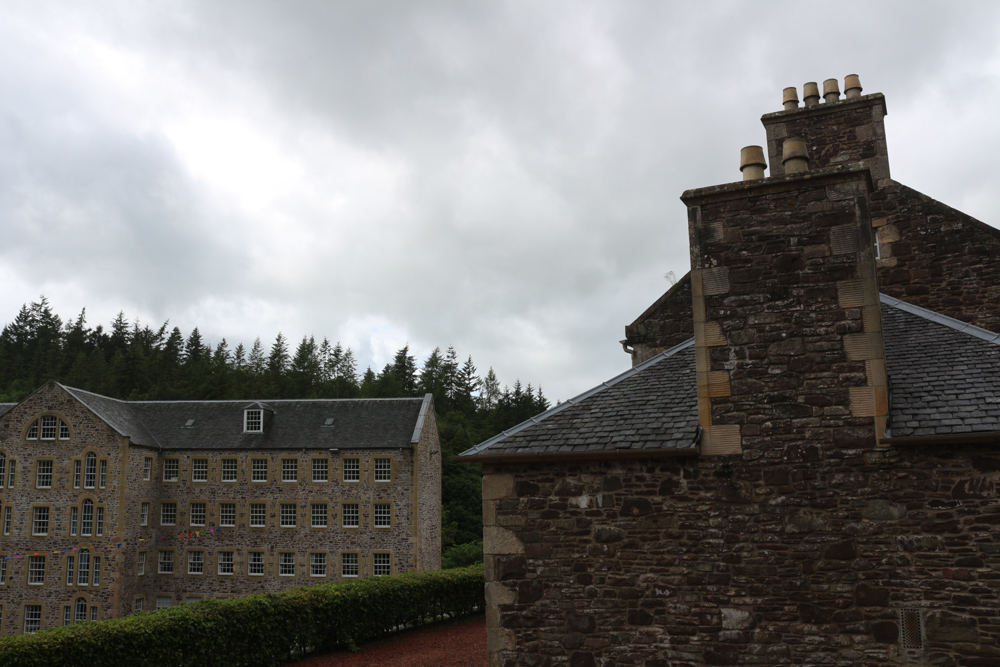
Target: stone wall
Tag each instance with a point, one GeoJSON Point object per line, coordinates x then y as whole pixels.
{"type": "Point", "coordinates": [666, 323]}
{"type": "Point", "coordinates": [802, 557]}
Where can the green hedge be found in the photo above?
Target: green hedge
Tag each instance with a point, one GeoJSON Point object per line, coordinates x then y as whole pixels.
{"type": "Point", "coordinates": [262, 630]}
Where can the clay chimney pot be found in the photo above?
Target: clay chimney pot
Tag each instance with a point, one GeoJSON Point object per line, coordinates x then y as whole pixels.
{"type": "Point", "coordinates": [831, 90]}
{"type": "Point", "coordinates": [852, 86]}
{"type": "Point", "coordinates": [810, 94]}
{"type": "Point", "coordinates": [794, 155]}
{"type": "Point", "coordinates": [789, 98]}
{"type": "Point", "coordinates": [752, 162]}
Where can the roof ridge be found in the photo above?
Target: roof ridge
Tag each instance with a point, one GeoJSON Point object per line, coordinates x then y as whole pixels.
{"type": "Point", "coordinates": [579, 397]}
{"type": "Point", "coordinates": [932, 316]}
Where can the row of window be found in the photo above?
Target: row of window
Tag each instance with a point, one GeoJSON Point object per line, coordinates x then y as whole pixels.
{"type": "Point", "coordinates": [85, 519]}
{"type": "Point", "coordinates": [87, 471]}
{"type": "Point", "coordinates": [256, 515]}
{"type": "Point", "coordinates": [255, 565]}
{"type": "Point", "coordinates": [258, 470]}
{"type": "Point", "coordinates": [81, 570]}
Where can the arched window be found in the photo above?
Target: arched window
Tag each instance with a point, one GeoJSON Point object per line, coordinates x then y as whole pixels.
{"type": "Point", "coordinates": [86, 525]}
{"type": "Point", "coordinates": [81, 610]}
{"type": "Point", "coordinates": [90, 471]}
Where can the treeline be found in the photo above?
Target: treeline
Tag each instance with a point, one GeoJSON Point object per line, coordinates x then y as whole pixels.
{"type": "Point", "coordinates": [137, 362]}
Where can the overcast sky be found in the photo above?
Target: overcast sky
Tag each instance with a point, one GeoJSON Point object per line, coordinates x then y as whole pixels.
{"type": "Point", "coordinates": [498, 176]}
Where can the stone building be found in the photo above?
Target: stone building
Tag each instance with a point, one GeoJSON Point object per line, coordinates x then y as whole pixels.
{"type": "Point", "coordinates": [801, 467]}
{"type": "Point", "coordinates": [109, 506]}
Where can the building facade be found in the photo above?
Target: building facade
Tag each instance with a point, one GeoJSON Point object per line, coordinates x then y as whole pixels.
{"type": "Point", "coordinates": [802, 471]}
{"type": "Point", "coordinates": [109, 507]}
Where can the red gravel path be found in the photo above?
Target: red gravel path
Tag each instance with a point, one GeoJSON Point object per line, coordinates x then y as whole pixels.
{"type": "Point", "coordinates": [456, 644]}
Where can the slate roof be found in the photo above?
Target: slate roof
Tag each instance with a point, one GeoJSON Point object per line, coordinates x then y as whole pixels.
{"type": "Point", "coordinates": [295, 424]}
{"type": "Point", "coordinates": [6, 407]}
{"type": "Point", "coordinates": [944, 377]}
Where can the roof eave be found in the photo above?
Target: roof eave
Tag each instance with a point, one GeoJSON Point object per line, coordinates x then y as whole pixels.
{"type": "Point", "coordinates": [583, 455]}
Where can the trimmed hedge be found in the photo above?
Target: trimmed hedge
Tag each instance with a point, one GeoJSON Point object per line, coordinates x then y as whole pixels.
{"type": "Point", "coordinates": [260, 630]}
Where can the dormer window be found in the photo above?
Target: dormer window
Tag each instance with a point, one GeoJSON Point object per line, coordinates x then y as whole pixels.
{"type": "Point", "coordinates": [253, 421]}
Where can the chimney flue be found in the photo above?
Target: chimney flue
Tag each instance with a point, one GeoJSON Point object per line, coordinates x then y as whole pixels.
{"type": "Point", "coordinates": [790, 98]}
{"type": "Point", "coordinates": [752, 162]}
{"type": "Point", "coordinates": [810, 93]}
{"type": "Point", "coordinates": [852, 86]}
{"type": "Point", "coordinates": [831, 90]}
{"type": "Point", "coordinates": [794, 155]}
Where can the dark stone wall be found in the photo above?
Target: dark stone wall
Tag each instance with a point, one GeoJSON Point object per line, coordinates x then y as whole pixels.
{"type": "Point", "coordinates": [666, 323]}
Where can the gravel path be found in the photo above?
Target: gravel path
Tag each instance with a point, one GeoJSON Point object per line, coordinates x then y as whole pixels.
{"type": "Point", "coordinates": [455, 644]}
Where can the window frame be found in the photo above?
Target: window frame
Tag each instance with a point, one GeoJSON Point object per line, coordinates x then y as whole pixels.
{"type": "Point", "coordinates": [375, 563]}
{"type": "Point", "coordinates": [203, 506]}
{"type": "Point", "coordinates": [254, 470]}
{"type": "Point", "coordinates": [313, 514]}
{"type": "Point", "coordinates": [36, 511]}
{"type": "Point", "coordinates": [387, 508]}
{"type": "Point", "coordinates": [199, 559]}
{"type": "Point", "coordinates": [289, 470]}
{"type": "Point", "coordinates": [147, 468]}
{"type": "Point", "coordinates": [344, 557]}
{"type": "Point", "coordinates": [35, 572]}
{"type": "Point", "coordinates": [195, 465]}
{"type": "Point", "coordinates": [231, 563]}
{"type": "Point", "coordinates": [356, 511]}
{"type": "Point", "coordinates": [165, 504]}
{"type": "Point", "coordinates": [325, 460]}
{"type": "Point", "coordinates": [38, 472]}
{"type": "Point", "coordinates": [253, 417]}
{"type": "Point", "coordinates": [263, 514]}
{"type": "Point", "coordinates": [223, 470]}
{"type": "Point", "coordinates": [252, 562]}
{"type": "Point", "coordinates": [281, 564]}
{"type": "Point", "coordinates": [174, 463]}
{"type": "Point", "coordinates": [389, 473]}
{"type": "Point", "coordinates": [288, 510]}
{"type": "Point", "coordinates": [355, 472]}
{"type": "Point", "coordinates": [140, 563]}
{"type": "Point", "coordinates": [312, 564]}
{"type": "Point", "coordinates": [165, 557]}
{"type": "Point", "coordinates": [222, 506]}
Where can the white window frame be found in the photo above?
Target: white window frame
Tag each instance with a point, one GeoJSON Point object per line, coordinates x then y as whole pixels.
{"type": "Point", "coordinates": [382, 470]}
{"type": "Point", "coordinates": [351, 469]}
{"type": "Point", "coordinates": [202, 509]}
{"type": "Point", "coordinates": [144, 514]}
{"type": "Point", "coordinates": [36, 570]}
{"type": "Point", "coordinates": [172, 507]}
{"type": "Point", "coordinates": [289, 470]}
{"type": "Point", "coordinates": [317, 564]}
{"type": "Point", "coordinates": [49, 425]}
{"type": "Point", "coordinates": [354, 511]}
{"type": "Point", "coordinates": [255, 563]}
{"type": "Point", "coordinates": [257, 511]}
{"type": "Point", "coordinates": [382, 515]}
{"type": "Point", "coordinates": [147, 468]}
{"type": "Point", "coordinates": [226, 563]}
{"type": "Point", "coordinates": [171, 470]}
{"type": "Point", "coordinates": [386, 567]}
{"type": "Point", "coordinates": [253, 420]}
{"type": "Point", "coordinates": [288, 515]}
{"type": "Point", "coordinates": [286, 563]}
{"type": "Point", "coordinates": [165, 562]}
{"type": "Point", "coordinates": [140, 564]}
{"type": "Point", "coordinates": [321, 470]}
{"type": "Point", "coordinates": [43, 473]}
{"type": "Point", "coordinates": [32, 618]}
{"type": "Point", "coordinates": [227, 515]}
{"type": "Point", "coordinates": [40, 521]}
{"type": "Point", "coordinates": [319, 511]}
{"type": "Point", "coordinates": [199, 474]}
{"type": "Point", "coordinates": [258, 474]}
{"type": "Point", "coordinates": [350, 565]}
{"type": "Point", "coordinates": [230, 470]}
{"type": "Point", "coordinates": [196, 562]}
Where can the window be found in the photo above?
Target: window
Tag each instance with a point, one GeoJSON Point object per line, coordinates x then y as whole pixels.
{"type": "Point", "coordinates": [70, 570]}
{"type": "Point", "coordinates": [6, 520]}
{"type": "Point", "coordinates": [288, 515]}
{"type": "Point", "coordinates": [97, 570]}
{"type": "Point", "coordinates": [102, 479]}
{"type": "Point", "coordinates": [81, 609]}
{"type": "Point", "coordinates": [196, 562]}
{"type": "Point", "coordinates": [90, 471]}
{"type": "Point", "coordinates": [63, 431]}
{"type": "Point", "coordinates": [100, 521]}
{"type": "Point", "coordinates": [164, 602]}
{"type": "Point", "coordinates": [3, 468]}
{"type": "Point", "coordinates": [166, 562]}
{"type": "Point", "coordinates": [74, 517]}
{"type": "Point", "coordinates": [352, 470]}
{"type": "Point", "coordinates": [168, 514]}
{"type": "Point", "coordinates": [227, 514]}
{"type": "Point", "coordinates": [76, 474]}
{"type": "Point", "coordinates": [255, 563]}
{"type": "Point", "coordinates": [40, 521]}
{"type": "Point", "coordinates": [83, 572]}
{"type": "Point", "coordinates": [171, 468]}
{"type": "Point", "coordinates": [225, 562]}
{"type": "Point", "coordinates": [3, 570]}
{"type": "Point", "coordinates": [381, 564]}
{"type": "Point", "coordinates": [67, 615]}
{"type": "Point", "coordinates": [258, 470]}
{"type": "Point", "coordinates": [10, 475]}
{"type": "Point", "coordinates": [36, 570]}
{"type": "Point", "coordinates": [258, 515]}
{"type": "Point", "coordinates": [32, 618]}
{"type": "Point", "coordinates": [140, 564]}
{"type": "Point", "coordinates": [350, 514]}
{"type": "Point", "coordinates": [48, 427]}
{"type": "Point", "coordinates": [286, 564]}
{"type": "Point", "coordinates": [197, 514]}
{"type": "Point", "coordinates": [93, 613]}
{"type": "Point", "coordinates": [253, 421]}
{"type": "Point", "coordinates": [33, 431]}
{"type": "Point", "coordinates": [138, 604]}
{"type": "Point", "coordinates": [349, 565]}
{"type": "Point", "coordinates": [319, 515]}
{"type": "Point", "coordinates": [144, 514]}
{"type": "Point", "coordinates": [382, 515]}
{"type": "Point", "coordinates": [317, 565]}
{"type": "Point", "coordinates": [289, 470]}
{"type": "Point", "coordinates": [147, 468]}
{"type": "Point", "coordinates": [199, 470]}
{"type": "Point", "coordinates": [320, 470]}
{"type": "Point", "coordinates": [87, 523]}
{"type": "Point", "coordinates": [43, 475]}
{"type": "Point", "coordinates": [383, 470]}
{"type": "Point", "coordinates": [229, 470]}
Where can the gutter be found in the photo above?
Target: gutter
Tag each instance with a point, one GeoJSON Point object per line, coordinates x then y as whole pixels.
{"type": "Point", "coordinates": [988, 438]}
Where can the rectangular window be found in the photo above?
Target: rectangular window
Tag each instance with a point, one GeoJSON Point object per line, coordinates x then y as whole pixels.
{"type": "Point", "coordinates": [63, 431]}
{"type": "Point", "coordinates": [138, 604]}
{"type": "Point", "coordinates": [97, 570]}
{"type": "Point", "coordinates": [43, 475]}
{"type": "Point", "coordinates": [258, 470]}
{"type": "Point", "coordinates": [87, 522]}
{"type": "Point", "coordinates": [36, 570]}
{"type": "Point", "coordinates": [32, 618]}
{"type": "Point", "coordinates": [199, 470]}
{"type": "Point", "coordinates": [225, 562]}
{"type": "Point", "coordinates": [383, 470]}
{"type": "Point", "coordinates": [93, 613]}
{"type": "Point", "coordinates": [171, 468]}
{"type": "Point", "coordinates": [40, 521]}
{"type": "Point", "coordinates": [164, 602]}
{"type": "Point", "coordinates": [288, 515]}
{"type": "Point", "coordinates": [147, 468]}
{"type": "Point", "coordinates": [90, 471]}
{"type": "Point", "coordinates": [74, 515]}
{"type": "Point", "coordinates": [258, 515]}
{"type": "Point", "coordinates": [100, 521]}
{"type": "Point", "coordinates": [319, 515]}
{"type": "Point", "coordinates": [10, 477]}
{"type": "Point", "coordinates": [140, 564]}
{"type": "Point", "coordinates": [48, 427]}
{"type": "Point", "coordinates": [76, 474]}
{"type": "Point", "coordinates": [381, 564]}
{"type": "Point", "coordinates": [166, 562]}
{"type": "Point", "coordinates": [317, 565]}
{"type": "Point", "coordinates": [320, 470]}
{"type": "Point", "coordinates": [83, 572]}
{"type": "Point", "coordinates": [144, 514]}
{"type": "Point", "coordinates": [253, 421]}
{"type": "Point", "coordinates": [70, 570]}
{"type": "Point", "coordinates": [102, 478]}
{"type": "Point", "coordinates": [348, 565]}
{"type": "Point", "coordinates": [383, 515]}
{"type": "Point", "coordinates": [3, 469]}
{"type": "Point", "coordinates": [81, 609]}
{"type": "Point", "coordinates": [168, 514]}
{"type": "Point", "coordinates": [286, 564]}
{"type": "Point", "coordinates": [229, 470]}
{"type": "Point", "coordinates": [350, 513]}
{"type": "Point", "coordinates": [67, 615]}
{"type": "Point", "coordinates": [6, 520]}
{"type": "Point", "coordinates": [255, 563]}
{"type": "Point", "coordinates": [227, 515]}
{"type": "Point", "coordinates": [3, 572]}
{"type": "Point", "coordinates": [352, 470]}
{"type": "Point", "coordinates": [197, 514]}
{"type": "Point", "coordinates": [196, 562]}
{"type": "Point", "coordinates": [289, 470]}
